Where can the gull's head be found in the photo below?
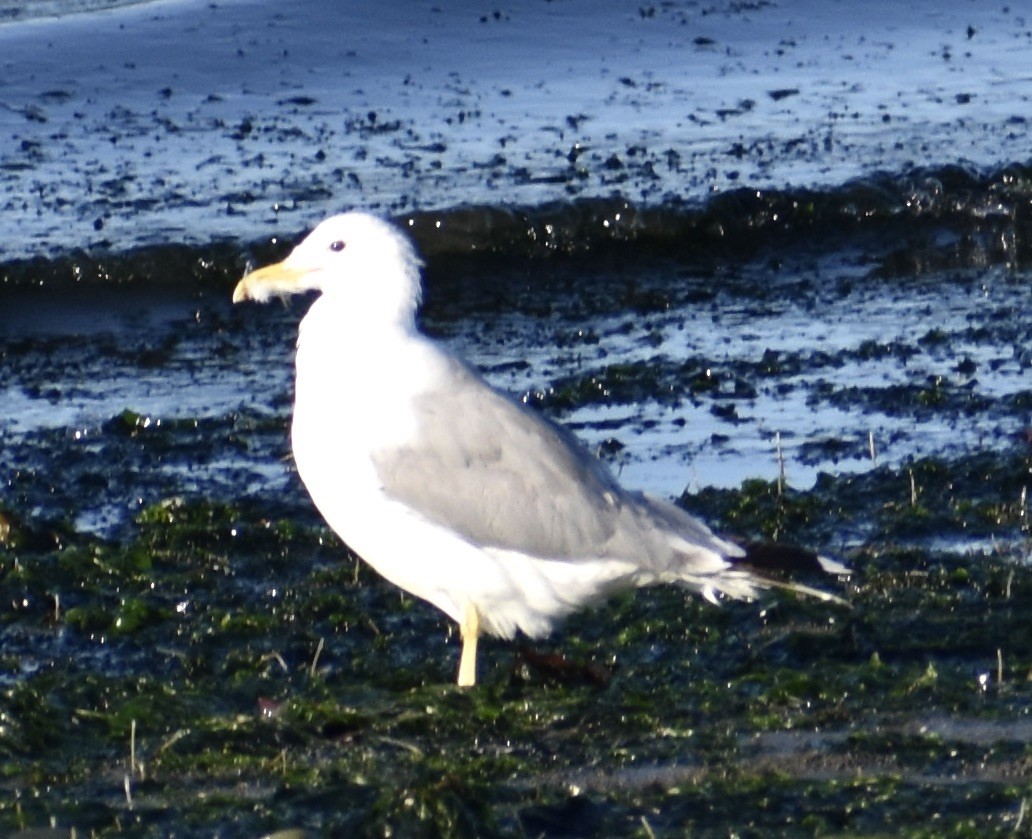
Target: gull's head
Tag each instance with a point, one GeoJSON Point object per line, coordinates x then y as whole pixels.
{"type": "Point", "coordinates": [357, 258]}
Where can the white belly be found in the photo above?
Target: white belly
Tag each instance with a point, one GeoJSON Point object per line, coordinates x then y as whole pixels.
{"type": "Point", "coordinates": [342, 416]}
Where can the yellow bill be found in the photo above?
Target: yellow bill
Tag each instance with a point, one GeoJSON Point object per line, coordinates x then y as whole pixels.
{"type": "Point", "coordinates": [278, 279]}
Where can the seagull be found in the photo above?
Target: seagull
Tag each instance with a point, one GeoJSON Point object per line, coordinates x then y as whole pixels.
{"type": "Point", "coordinates": [450, 489]}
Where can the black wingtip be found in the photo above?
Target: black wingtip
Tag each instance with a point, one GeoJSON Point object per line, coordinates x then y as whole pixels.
{"type": "Point", "coordinates": [777, 558]}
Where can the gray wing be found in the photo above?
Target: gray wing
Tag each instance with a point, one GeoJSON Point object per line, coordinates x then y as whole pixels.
{"type": "Point", "coordinates": [502, 476]}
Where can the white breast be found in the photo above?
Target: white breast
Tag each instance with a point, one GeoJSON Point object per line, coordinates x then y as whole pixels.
{"type": "Point", "coordinates": [355, 398]}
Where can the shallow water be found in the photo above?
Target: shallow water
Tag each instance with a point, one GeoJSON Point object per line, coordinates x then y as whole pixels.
{"type": "Point", "coordinates": [187, 120]}
{"type": "Point", "coordinates": [689, 372]}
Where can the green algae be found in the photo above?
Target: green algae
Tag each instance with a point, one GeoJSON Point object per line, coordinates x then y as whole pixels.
{"type": "Point", "coordinates": [272, 684]}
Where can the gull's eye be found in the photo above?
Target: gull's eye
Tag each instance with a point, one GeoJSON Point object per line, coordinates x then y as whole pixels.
{"type": "Point", "coordinates": [338, 246]}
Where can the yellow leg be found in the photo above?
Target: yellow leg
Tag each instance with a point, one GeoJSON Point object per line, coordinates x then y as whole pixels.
{"type": "Point", "coordinates": [470, 630]}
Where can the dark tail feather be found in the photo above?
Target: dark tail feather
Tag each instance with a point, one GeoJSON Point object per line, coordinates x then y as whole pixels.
{"type": "Point", "coordinates": [774, 563]}
{"type": "Point", "coordinates": [777, 559]}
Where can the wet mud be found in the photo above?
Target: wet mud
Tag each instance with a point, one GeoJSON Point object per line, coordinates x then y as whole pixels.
{"type": "Point", "coordinates": [273, 681]}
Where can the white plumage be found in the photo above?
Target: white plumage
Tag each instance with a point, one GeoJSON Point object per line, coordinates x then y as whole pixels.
{"type": "Point", "coordinates": [446, 487]}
